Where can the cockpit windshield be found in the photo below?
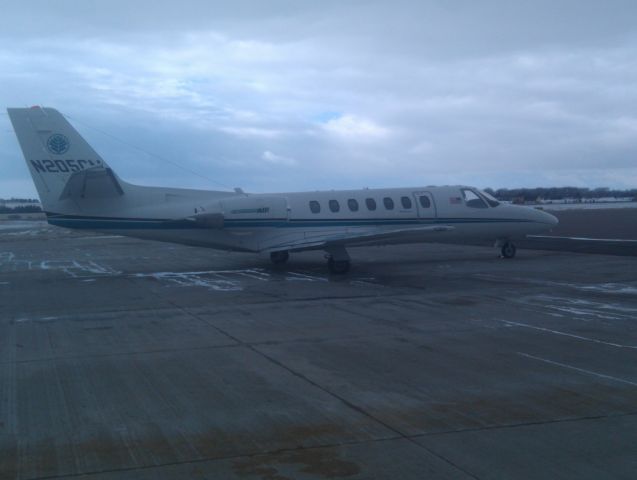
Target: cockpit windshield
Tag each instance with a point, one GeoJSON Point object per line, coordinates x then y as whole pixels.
{"type": "Point", "coordinates": [490, 199]}
{"type": "Point", "coordinates": [472, 199]}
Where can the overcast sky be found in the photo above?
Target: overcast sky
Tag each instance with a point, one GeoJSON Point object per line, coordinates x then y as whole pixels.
{"type": "Point", "coordinates": [299, 95]}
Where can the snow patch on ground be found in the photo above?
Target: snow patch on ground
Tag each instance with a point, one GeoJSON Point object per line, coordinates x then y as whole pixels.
{"type": "Point", "coordinates": [612, 288]}
{"type": "Point", "coordinates": [619, 288]}
{"type": "Point", "coordinates": [583, 309]}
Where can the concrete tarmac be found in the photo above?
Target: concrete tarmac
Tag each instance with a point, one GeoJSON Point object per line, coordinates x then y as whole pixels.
{"type": "Point", "coordinates": [609, 231]}
{"type": "Point", "coordinates": [127, 359]}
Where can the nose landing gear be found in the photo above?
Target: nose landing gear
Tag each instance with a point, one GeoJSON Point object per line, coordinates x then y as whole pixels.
{"type": "Point", "coordinates": [508, 250]}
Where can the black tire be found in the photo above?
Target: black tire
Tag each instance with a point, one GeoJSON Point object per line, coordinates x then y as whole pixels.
{"type": "Point", "coordinates": [338, 267]}
{"type": "Point", "coordinates": [508, 250]}
{"type": "Point", "coordinates": [279, 258]}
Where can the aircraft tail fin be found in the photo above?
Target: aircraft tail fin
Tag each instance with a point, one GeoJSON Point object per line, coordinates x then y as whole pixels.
{"type": "Point", "coordinates": [64, 167]}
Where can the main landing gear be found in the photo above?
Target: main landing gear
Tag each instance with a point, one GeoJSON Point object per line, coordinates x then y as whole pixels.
{"type": "Point", "coordinates": [507, 250]}
{"type": "Point", "coordinates": [338, 261]}
{"type": "Point", "coordinates": [280, 257]}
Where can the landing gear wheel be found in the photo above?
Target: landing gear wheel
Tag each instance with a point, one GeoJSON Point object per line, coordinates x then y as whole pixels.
{"type": "Point", "coordinates": [338, 266]}
{"type": "Point", "coordinates": [508, 250]}
{"type": "Point", "coordinates": [279, 258]}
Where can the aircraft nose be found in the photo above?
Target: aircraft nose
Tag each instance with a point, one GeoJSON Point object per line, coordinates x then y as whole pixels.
{"type": "Point", "coordinates": [547, 218]}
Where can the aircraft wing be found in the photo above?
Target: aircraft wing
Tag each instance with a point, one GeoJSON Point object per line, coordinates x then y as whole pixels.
{"type": "Point", "coordinates": [363, 236]}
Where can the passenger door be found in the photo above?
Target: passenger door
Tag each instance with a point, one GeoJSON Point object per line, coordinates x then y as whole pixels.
{"type": "Point", "coordinates": [425, 204]}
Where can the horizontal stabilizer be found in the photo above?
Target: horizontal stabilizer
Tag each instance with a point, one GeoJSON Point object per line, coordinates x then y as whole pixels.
{"type": "Point", "coordinates": [92, 183]}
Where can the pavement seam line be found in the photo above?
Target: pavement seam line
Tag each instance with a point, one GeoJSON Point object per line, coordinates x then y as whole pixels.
{"type": "Point", "coordinates": [219, 458]}
{"type": "Point", "coordinates": [346, 402]}
{"type": "Point", "coordinates": [118, 354]}
{"type": "Point", "coordinates": [362, 411]}
{"type": "Point", "coordinates": [526, 424]}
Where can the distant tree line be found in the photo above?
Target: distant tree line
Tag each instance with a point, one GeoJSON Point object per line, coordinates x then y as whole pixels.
{"type": "Point", "coordinates": [22, 209]}
{"type": "Point", "coordinates": [7, 205]}
{"type": "Point", "coordinates": [20, 200]}
{"type": "Point", "coordinates": [560, 193]}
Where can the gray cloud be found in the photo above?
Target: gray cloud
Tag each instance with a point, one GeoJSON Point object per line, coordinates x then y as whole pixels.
{"type": "Point", "coordinates": [293, 95]}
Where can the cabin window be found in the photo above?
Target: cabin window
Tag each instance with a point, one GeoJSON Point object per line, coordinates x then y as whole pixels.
{"type": "Point", "coordinates": [371, 204]}
{"type": "Point", "coordinates": [472, 199]}
{"type": "Point", "coordinates": [352, 204]}
{"type": "Point", "coordinates": [424, 201]}
{"type": "Point", "coordinates": [315, 207]}
{"type": "Point", "coordinates": [389, 203]}
{"type": "Point", "coordinates": [334, 206]}
{"type": "Point", "coordinates": [405, 202]}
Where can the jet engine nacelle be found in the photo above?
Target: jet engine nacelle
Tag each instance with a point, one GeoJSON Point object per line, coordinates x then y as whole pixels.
{"type": "Point", "coordinates": [209, 220]}
{"type": "Point", "coordinates": [248, 208]}
{"type": "Point", "coordinates": [255, 208]}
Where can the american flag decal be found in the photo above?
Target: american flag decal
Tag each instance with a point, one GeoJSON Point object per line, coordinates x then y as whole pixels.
{"type": "Point", "coordinates": [455, 200]}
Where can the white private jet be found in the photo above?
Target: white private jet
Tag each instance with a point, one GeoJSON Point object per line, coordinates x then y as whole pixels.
{"type": "Point", "coordinates": [79, 190]}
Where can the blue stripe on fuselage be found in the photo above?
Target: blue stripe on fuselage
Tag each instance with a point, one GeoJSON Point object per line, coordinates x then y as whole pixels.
{"type": "Point", "coordinates": [119, 223]}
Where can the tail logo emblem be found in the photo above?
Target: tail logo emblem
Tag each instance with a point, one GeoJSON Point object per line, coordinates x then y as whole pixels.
{"type": "Point", "coordinates": [57, 144]}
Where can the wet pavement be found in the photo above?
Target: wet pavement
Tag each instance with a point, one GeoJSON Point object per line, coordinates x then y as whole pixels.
{"type": "Point", "coordinates": [121, 358]}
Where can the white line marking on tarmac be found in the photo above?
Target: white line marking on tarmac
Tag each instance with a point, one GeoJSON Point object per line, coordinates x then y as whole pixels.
{"type": "Point", "coordinates": [619, 240]}
{"type": "Point", "coordinates": [304, 277]}
{"type": "Point", "coordinates": [219, 280]}
{"type": "Point", "coordinates": [74, 268]}
{"type": "Point", "coordinates": [557, 332]}
{"type": "Point", "coordinates": [36, 319]}
{"type": "Point", "coordinates": [256, 274]}
{"type": "Point", "coordinates": [581, 370]}
{"type": "Point", "coordinates": [7, 256]}
{"type": "Point", "coordinates": [98, 237]}
{"type": "Point", "coordinates": [581, 312]}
